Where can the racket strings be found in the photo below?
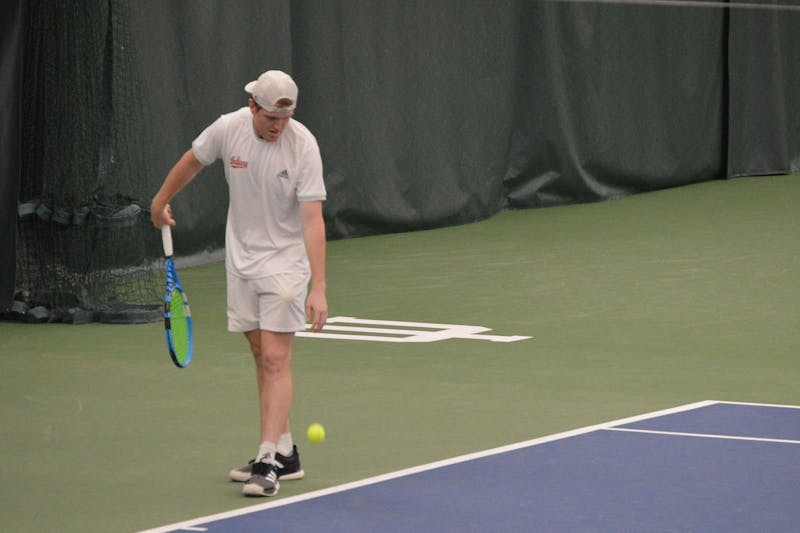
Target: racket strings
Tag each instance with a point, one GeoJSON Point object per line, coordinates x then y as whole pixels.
{"type": "Point", "coordinates": [180, 326]}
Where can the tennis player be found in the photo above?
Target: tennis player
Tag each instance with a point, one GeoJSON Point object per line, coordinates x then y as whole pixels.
{"type": "Point", "coordinates": [275, 249]}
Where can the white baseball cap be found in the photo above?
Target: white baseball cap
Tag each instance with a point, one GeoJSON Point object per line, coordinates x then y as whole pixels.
{"type": "Point", "coordinates": [271, 87]}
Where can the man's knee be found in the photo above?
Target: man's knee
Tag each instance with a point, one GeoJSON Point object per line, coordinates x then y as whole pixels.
{"type": "Point", "coordinates": [271, 352]}
{"type": "Point", "coordinates": [274, 360]}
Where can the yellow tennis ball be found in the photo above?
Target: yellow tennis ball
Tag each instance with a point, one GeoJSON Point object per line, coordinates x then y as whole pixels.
{"type": "Point", "coordinates": [316, 433]}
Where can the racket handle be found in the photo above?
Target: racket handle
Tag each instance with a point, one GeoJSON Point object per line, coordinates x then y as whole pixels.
{"type": "Point", "coordinates": [166, 240]}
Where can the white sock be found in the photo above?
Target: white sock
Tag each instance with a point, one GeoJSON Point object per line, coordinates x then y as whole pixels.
{"type": "Point", "coordinates": [266, 450]}
{"type": "Point", "coordinates": [285, 445]}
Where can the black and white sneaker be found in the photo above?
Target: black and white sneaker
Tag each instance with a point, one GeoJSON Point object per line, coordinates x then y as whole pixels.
{"type": "Point", "coordinates": [288, 468]}
{"type": "Point", "coordinates": [264, 479]}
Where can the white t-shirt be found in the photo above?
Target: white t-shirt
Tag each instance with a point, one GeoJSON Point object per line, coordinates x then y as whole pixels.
{"type": "Point", "coordinates": [267, 181]}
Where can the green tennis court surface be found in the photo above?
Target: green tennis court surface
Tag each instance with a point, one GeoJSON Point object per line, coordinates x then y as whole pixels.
{"type": "Point", "coordinates": [631, 306]}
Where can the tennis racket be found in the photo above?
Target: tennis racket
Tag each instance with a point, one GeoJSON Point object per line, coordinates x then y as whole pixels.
{"type": "Point", "coordinates": [177, 316]}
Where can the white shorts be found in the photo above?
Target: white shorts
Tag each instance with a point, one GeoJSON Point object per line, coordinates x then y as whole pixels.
{"type": "Point", "coordinates": [275, 303]}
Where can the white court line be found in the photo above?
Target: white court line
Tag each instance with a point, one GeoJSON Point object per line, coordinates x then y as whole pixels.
{"type": "Point", "coordinates": [762, 404]}
{"type": "Point", "coordinates": [185, 526]}
{"type": "Point", "coordinates": [702, 435]}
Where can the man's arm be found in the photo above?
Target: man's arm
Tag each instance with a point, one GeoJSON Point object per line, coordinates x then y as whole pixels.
{"type": "Point", "coordinates": [181, 174]}
{"type": "Point", "coordinates": [314, 238]}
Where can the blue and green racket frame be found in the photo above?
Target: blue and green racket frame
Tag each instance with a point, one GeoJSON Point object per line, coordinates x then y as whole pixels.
{"type": "Point", "coordinates": [177, 314]}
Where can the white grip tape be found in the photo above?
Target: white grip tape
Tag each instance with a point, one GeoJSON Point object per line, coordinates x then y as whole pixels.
{"type": "Point", "coordinates": [166, 240]}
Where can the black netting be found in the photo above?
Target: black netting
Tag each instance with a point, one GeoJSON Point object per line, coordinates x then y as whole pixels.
{"type": "Point", "coordinates": [84, 241]}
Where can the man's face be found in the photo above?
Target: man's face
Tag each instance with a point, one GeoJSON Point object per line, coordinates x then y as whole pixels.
{"type": "Point", "coordinates": [268, 126]}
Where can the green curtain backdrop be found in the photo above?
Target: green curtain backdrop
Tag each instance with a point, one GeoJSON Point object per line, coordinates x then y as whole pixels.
{"type": "Point", "coordinates": [428, 112]}
{"type": "Point", "coordinates": [764, 105]}
{"type": "Point", "coordinates": [445, 112]}
{"type": "Point", "coordinates": [623, 99]}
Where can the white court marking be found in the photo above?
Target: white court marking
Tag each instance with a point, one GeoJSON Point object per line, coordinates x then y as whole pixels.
{"type": "Point", "coordinates": [702, 435]}
{"type": "Point", "coordinates": [362, 329]}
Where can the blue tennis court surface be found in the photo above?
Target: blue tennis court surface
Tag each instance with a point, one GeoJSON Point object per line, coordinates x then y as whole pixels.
{"type": "Point", "coordinates": [709, 466]}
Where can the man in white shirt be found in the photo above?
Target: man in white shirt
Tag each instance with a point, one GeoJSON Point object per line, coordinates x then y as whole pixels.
{"type": "Point", "coordinates": [275, 245]}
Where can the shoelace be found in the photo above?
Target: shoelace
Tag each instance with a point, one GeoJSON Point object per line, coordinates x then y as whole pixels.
{"type": "Point", "coordinates": [272, 461]}
{"type": "Point", "coordinates": [272, 473]}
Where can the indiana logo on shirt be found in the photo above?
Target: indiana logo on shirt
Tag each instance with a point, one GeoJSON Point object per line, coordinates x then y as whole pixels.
{"type": "Point", "coordinates": [283, 174]}
{"type": "Point", "coordinates": [236, 162]}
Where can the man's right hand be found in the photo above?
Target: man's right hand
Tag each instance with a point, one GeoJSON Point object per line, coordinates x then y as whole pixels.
{"type": "Point", "coordinates": [161, 216]}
